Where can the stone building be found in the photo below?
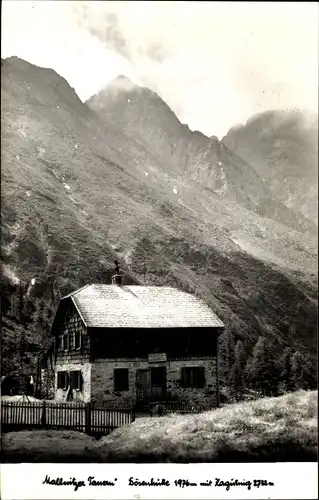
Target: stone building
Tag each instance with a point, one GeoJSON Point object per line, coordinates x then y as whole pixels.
{"type": "Point", "coordinates": [128, 345]}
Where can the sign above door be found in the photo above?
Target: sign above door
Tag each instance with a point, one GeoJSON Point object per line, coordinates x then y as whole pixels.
{"type": "Point", "coordinates": [157, 357]}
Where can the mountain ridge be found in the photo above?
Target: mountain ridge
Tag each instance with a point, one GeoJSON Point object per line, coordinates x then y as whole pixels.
{"type": "Point", "coordinates": [207, 160]}
{"type": "Point", "coordinates": [78, 193]}
{"type": "Point", "coordinates": [282, 146]}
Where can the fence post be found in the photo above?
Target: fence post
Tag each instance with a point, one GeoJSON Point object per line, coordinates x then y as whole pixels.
{"type": "Point", "coordinates": [133, 414]}
{"type": "Point", "coordinates": [43, 415]}
{"type": "Point", "coordinates": [88, 418]}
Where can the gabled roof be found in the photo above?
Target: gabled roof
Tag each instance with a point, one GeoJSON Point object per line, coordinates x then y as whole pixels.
{"type": "Point", "coordinates": [124, 306]}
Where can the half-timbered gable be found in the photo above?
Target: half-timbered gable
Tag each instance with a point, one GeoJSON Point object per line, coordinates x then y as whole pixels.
{"type": "Point", "coordinates": [72, 353]}
{"type": "Point", "coordinates": [70, 333]}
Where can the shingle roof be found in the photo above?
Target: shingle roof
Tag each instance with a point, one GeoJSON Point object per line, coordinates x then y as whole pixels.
{"type": "Point", "coordinates": [124, 306]}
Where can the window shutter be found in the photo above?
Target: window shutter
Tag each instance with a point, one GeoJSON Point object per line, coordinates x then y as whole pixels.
{"type": "Point", "coordinates": [63, 380]}
{"type": "Point", "coordinates": [77, 339]}
{"type": "Point", "coordinates": [71, 340]}
{"type": "Point", "coordinates": [121, 379]}
{"type": "Point", "coordinates": [60, 380]}
{"type": "Point", "coordinates": [76, 380]}
{"type": "Point", "coordinates": [80, 380]}
{"type": "Point", "coordinates": [200, 377]}
{"type": "Point", "coordinates": [193, 376]}
{"type": "Point", "coordinates": [184, 377]}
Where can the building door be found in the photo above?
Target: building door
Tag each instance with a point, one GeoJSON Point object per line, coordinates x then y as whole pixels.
{"type": "Point", "coordinates": [151, 385]}
{"type": "Point", "coordinates": [142, 386]}
{"type": "Point", "coordinates": [158, 383]}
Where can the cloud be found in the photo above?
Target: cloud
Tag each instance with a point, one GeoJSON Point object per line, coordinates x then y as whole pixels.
{"type": "Point", "coordinates": [101, 22]}
{"type": "Point", "coordinates": [214, 63]}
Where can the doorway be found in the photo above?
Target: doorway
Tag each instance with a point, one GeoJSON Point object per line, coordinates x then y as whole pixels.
{"type": "Point", "coordinates": [158, 383]}
{"type": "Point", "coordinates": [151, 385]}
{"type": "Point", "coordinates": [143, 389]}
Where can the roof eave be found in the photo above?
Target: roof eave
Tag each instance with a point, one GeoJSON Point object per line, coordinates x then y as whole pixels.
{"type": "Point", "coordinates": [79, 312]}
{"type": "Point", "coordinates": [63, 299]}
{"type": "Point", "coordinates": [55, 315]}
{"type": "Point", "coordinates": [215, 327]}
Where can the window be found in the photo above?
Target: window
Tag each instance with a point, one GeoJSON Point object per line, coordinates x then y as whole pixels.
{"type": "Point", "coordinates": [65, 342]}
{"type": "Point", "coordinates": [77, 339]}
{"type": "Point", "coordinates": [193, 376]}
{"type": "Point", "coordinates": [121, 379]}
{"type": "Point", "coordinates": [60, 342]}
{"type": "Point", "coordinates": [63, 380]}
{"type": "Point", "coordinates": [76, 380]}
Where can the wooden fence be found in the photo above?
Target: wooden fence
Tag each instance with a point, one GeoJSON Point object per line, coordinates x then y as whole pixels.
{"type": "Point", "coordinates": [90, 418]}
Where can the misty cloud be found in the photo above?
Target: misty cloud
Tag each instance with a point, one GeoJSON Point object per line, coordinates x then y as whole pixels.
{"type": "Point", "coordinates": [121, 84]}
{"type": "Point", "coordinates": [199, 55]}
{"type": "Point", "coordinates": [155, 51]}
{"type": "Point", "coordinates": [121, 28]}
{"type": "Point", "coordinates": [214, 63]}
{"type": "Point", "coordinates": [102, 24]}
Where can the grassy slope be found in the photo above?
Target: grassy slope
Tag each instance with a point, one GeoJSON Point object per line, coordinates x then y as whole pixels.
{"type": "Point", "coordinates": [270, 429]}
{"type": "Point", "coordinates": [47, 446]}
{"type": "Point", "coordinates": [256, 273]}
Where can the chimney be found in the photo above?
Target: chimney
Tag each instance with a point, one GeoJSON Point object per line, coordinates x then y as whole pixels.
{"type": "Point", "coordinates": [116, 278]}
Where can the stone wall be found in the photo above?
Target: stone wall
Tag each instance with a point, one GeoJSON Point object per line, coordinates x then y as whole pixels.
{"type": "Point", "coordinates": [102, 379]}
{"type": "Point", "coordinates": [76, 395]}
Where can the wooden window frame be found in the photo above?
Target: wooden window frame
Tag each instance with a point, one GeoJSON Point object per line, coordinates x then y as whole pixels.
{"type": "Point", "coordinates": [193, 377]}
{"type": "Point", "coordinates": [118, 384]}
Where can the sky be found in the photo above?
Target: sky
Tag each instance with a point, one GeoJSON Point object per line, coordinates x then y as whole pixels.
{"type": "Point", "coordinates": [214, 63]}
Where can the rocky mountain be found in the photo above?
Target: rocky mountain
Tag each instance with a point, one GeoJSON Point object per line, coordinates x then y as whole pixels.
{"type": "Point", "coordinates": [282, 147]}
{"type": "Point", "coordinates": [142, 115]}
{"type": "Point", "coordinates": [80, 189]}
